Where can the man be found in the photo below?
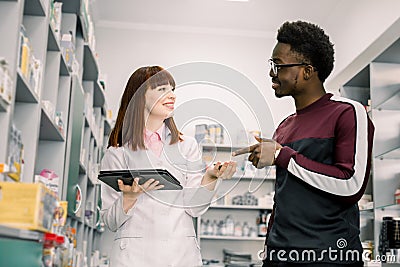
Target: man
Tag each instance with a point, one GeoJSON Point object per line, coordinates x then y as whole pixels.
{"type": "Point", "coordinates": [322, 154]}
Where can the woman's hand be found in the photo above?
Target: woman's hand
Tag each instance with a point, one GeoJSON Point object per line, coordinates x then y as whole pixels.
{"type": "Point", "coordinates": [220, 170]}
{"type": "Point", "coordinates": [132, 192]}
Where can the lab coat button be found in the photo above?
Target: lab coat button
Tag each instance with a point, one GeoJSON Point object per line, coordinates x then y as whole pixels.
{"type": "Point", "coordinates": [123, 244]}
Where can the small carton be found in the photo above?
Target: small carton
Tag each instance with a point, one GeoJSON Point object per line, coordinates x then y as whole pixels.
{"type": "Point", "coordinates": [27, 206]}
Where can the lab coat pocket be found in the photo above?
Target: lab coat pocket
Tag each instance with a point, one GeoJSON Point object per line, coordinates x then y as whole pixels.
{"type": "Point", "coordinates": [132, 228]}
{"type": "Point", "coordinates": [126, 251]}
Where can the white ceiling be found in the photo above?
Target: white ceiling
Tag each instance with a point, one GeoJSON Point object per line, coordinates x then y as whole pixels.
{"type": "Point", "coordinates": [259, 17]}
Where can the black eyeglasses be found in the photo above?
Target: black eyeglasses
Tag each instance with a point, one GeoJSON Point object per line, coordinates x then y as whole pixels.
{"type": "Point", "coordinates": [276, 67]}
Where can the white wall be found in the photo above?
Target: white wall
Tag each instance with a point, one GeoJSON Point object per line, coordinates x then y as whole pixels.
{"type": "Point", "coordinates": [354, 27]}
{"type": "Point", "coordinates": [123, 51]}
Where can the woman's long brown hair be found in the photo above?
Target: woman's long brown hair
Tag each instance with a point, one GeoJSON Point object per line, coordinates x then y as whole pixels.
{"type": "Point", "coordinates": [130, 124]}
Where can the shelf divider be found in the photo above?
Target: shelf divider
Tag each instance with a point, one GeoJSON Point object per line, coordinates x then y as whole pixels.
{"type": "Point", "coordinates": [48, 129]}
{"type": "Point", "coordinates": [24, 91]}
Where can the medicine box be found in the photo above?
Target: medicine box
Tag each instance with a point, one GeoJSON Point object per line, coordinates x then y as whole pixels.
{"type": "Point", "coordinates": [27, 206]}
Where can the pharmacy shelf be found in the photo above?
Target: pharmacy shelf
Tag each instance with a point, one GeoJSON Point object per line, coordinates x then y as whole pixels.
{"type": "Point", "coordinates": [391, 154]}
{"type": "Point", "coordinates": [376, 68]}
{"type": "Point", "coordinates": [74, 217]}
{"type": "Point", "coordinates": [93, 180]}
{"type": "Point", "coordinates": [24, 91]}
{"type": "Point", "coordinates": [107, 127]}
{"type": "Point", "coordinates": [63, 66]}
{"type": "Point", "coordinates": [392, 103]}
{"type": "Point", "coordinates": [71, 6]}
{"type": "Point", "coordinates": [90, 68]}
{"type": "Point", "coordinates": [82, 168]}
{"type": "Point", "coordinates": [99, 96]}
{"type": "Point", "coordinates": [45, 146]}
{"type": "Point", "coordinates": [366, 210]}
{"type": "Point", "coordinates": [83, 26]}
{"type": "Point", "coordinates": [34, 8]}
{"type": "Point", "coordinates": [220, 147]}
{"type": "Point", "coordinates": [48, 129]}
{"type": "Point", "coordinates": [394, 207]}
{"type": "Point", "coordinates": [3, 105]}
{"type": "Point", "coordinates": [52, 43]}
{"type": "Point", "coordinates": [6, 231]}
{"type": "Point", "coordinates": [93, 131]}
{"type": "Point", "coordinates": [241, 207]}
{"type": "Point", "coordinates": [233, 238]}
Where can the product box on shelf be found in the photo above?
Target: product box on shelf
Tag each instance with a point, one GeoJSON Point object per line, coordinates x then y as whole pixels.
{"type": "Point", "coordinates": [16, 154]}
{"type": "Point", "coordinates": [397, 196]}
{"type": "Point", "coordinates": [68, 49]}
{"type": "Point", "coordinates": [24, 55]}
{"type": "Point", "coordinates": [5, 81]}
{"type": "Point", "coordinates": [55, 18]}
{"type": "Point", "coordinates": [27, 206]}
{"type": "Point", "coordinates": [49, 178]}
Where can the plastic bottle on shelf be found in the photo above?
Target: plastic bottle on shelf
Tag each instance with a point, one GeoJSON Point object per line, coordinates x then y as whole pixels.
{"type": "Point", "coordinates": [252, 232]}
{"type": "Point", "coordinates": [59, 248]}
{"type": "Point", "coordinates": [72, 246]}
{"type": "Point", "coordinates": [48, 249]}
{"type": "Point", "coordinates": [230, 225]}
{"type": "Point", "coordinates": [214, 227]}
{"type": "Point", "coordinates": [222, 228]}
{"type": "Point", "coordinates": [238, 229]}
{"type": "Point", "coordinates": [262, 224]}
{"type": "Point", "coordinates": [245, 229]}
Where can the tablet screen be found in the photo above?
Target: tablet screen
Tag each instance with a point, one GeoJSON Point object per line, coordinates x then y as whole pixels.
{"type": "Point", "coordinates": [163, 176]}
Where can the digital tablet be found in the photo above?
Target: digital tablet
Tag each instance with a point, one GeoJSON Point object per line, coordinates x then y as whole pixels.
{"type": "Point", "coordinates": [163, 176]}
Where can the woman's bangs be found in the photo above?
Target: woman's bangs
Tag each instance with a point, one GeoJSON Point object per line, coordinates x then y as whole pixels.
{"type": "Point", "coordinates": [161, 78]}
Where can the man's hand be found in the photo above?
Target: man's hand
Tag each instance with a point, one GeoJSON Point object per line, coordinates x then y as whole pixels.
{"type": "Point", "coordinates": [261, 154]}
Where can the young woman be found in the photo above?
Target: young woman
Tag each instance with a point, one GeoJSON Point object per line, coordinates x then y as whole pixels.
{"type": "Point", "coordinates": [154, 227]}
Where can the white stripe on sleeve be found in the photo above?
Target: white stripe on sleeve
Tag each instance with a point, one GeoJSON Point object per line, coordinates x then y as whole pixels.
{"type": "Point", "coordinates": [342, 187]}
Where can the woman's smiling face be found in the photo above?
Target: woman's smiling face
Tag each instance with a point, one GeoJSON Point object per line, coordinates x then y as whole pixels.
{"type": "Point", "coordinates": [160, 101]}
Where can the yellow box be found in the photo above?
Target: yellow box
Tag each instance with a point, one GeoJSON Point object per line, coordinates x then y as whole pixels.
{"type": "Point", "coordinates": [27, 206]}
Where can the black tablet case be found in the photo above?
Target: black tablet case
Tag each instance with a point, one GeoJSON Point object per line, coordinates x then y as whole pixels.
{"type": "Point", "coordinates": [163, 176]}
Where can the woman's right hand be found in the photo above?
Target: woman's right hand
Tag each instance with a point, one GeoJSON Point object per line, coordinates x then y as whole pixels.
{"type": "Point", "coordinates": [132, 192]}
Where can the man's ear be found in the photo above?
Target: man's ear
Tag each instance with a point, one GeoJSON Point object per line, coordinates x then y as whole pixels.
{"type": "Point", "coordinates": [308, 72]}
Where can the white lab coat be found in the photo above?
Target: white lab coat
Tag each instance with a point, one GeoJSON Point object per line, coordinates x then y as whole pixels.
{"type": "Point", "coordinates": [158, 230]}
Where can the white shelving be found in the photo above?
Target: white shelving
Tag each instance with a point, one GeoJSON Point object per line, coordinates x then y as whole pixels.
{"type": "Point", "coordinates": [3, 105]}
{"type": "Point", "coordinates": [58, 90]}
{"type": "Point", "coordinates": [375, 76]}
{"type": "Point", "coordinates": [25, 93]}
{"type": "Point", "coordinates": [212, 245]}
